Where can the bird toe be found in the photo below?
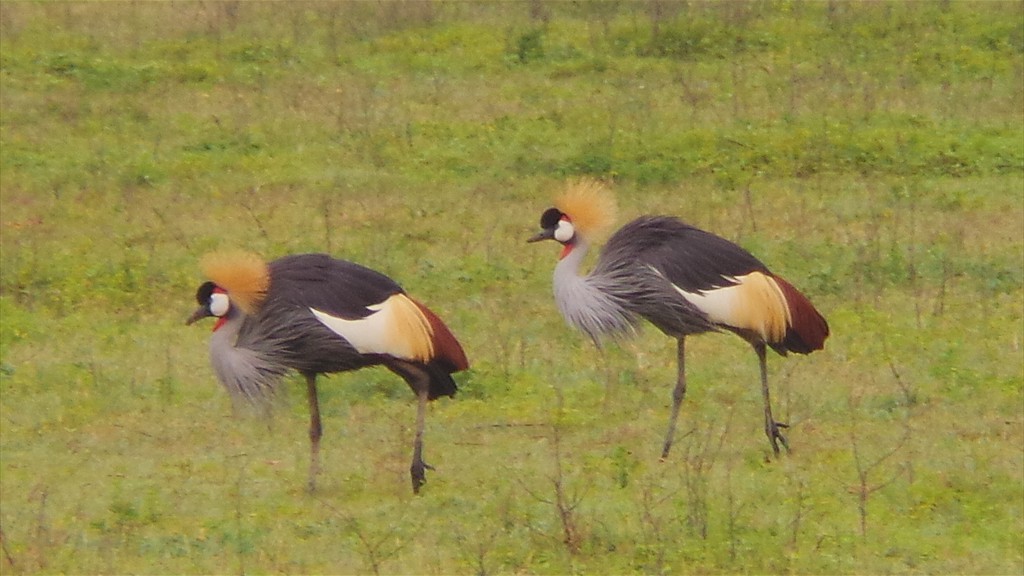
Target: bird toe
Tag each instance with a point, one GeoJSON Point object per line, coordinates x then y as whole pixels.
{"type": "Point", "coordinates": [419, 475]}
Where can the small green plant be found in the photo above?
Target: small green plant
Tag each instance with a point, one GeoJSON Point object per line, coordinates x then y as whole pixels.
{"type": "Point", "coordinates": [529, 46]}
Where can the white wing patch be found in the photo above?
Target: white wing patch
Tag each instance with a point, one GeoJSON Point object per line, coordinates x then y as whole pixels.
{"type": "Point", "coordinates": [755, 303]}
{"type": "Point", "coordinates": [396, 328]}
{"type": "Point", "coordinates": [719, 304]}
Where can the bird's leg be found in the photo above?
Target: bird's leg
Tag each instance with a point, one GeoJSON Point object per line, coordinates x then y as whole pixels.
{"type": "Point", "coordinates": [418, 468]}
{"type": "Point", "coordinates": [771, 427]}
{"type": "Point", "coordinates": [607, 376]}
{"type": "Point", "coordinates": [418, 379]}
{"type": "Point", "coordinates": [677, 397]}
{"type": "Point", "coordinates": [315, 431]}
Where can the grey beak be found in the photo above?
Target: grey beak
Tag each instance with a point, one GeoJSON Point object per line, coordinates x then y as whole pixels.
{"type": "Point", "coordinates": [199, 314]}
{"type": "Point", "coordinates": [546, 234]}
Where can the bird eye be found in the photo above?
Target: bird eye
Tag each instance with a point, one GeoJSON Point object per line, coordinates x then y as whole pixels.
{"type": "Point", "coordinates": [219, 304]}
{"type": "Point", "coordinates": [564, 231]}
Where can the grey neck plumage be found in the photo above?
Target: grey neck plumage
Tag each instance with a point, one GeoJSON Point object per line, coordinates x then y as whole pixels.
{"type": "Point", "coordinates": [245, 372]}
{"type": "Point", "coordinates": [588, 303]}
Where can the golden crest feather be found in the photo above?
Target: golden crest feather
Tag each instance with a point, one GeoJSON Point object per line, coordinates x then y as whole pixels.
{"type": "Point", "coordinates": [590, 206]}
{"type": "Point", "coordinates": [244, 275]}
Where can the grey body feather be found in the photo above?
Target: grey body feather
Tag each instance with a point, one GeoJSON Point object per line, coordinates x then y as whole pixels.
{"type": "Point", "coordinates": [624, 286]}
{"type": "Point", "coordinates": [640, 274]}
{"type": "Point", "coordinates": [251, 353]}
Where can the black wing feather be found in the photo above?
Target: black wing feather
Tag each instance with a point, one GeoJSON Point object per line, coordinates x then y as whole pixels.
{"type": "Point", "coordinates": [689, 257]}
{"type": "Point", "coordinates": [337, 287]}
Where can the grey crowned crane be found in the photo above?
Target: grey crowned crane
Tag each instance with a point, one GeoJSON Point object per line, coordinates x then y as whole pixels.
{"type": "Point", "coordinates": [316, 314]}
{"type": "Point", "coordinates": [681, 279]}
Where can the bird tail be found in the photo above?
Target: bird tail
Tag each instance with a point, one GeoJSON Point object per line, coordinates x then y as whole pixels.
{"type": "Point", "coordinates": [448, 356]}
{"type": "Point", "coordinates": [807, 329]}
{"type": "Point", "coordinates": [441, 382]}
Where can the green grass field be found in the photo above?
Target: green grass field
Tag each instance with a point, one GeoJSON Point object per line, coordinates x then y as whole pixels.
{"type": "Point", "coordinates": [872, 153]}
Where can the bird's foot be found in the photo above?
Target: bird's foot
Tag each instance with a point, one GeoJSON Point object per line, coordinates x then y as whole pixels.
{"type": "Point", "coordinates": [314, 466]}
{"type": "Point", "coordinates": [311, 483]}
{"type": "Point", "coordinates": [664, 452]}
{"type": "Point", "coordinates": [418, 472]}
{"type": "Point", "coordinates": [772, 429]}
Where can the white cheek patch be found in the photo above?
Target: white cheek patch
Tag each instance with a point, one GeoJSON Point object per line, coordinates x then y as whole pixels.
{"type": "Point", "coordinates": [219, 304]}
{"type": "Point", "coordinates": [564, 232]}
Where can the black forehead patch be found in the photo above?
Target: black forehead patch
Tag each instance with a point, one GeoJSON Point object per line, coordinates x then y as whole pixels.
{"type": "Point", "coordinates": [550, 218]}
{"type": "Point", "coordinates": [204, 292]}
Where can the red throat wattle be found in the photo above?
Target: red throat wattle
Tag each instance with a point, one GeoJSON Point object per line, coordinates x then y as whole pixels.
{"type": "Point", "coordinates": [568, 245]}
{"type": "Point", "coordinates": [565, 251]}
